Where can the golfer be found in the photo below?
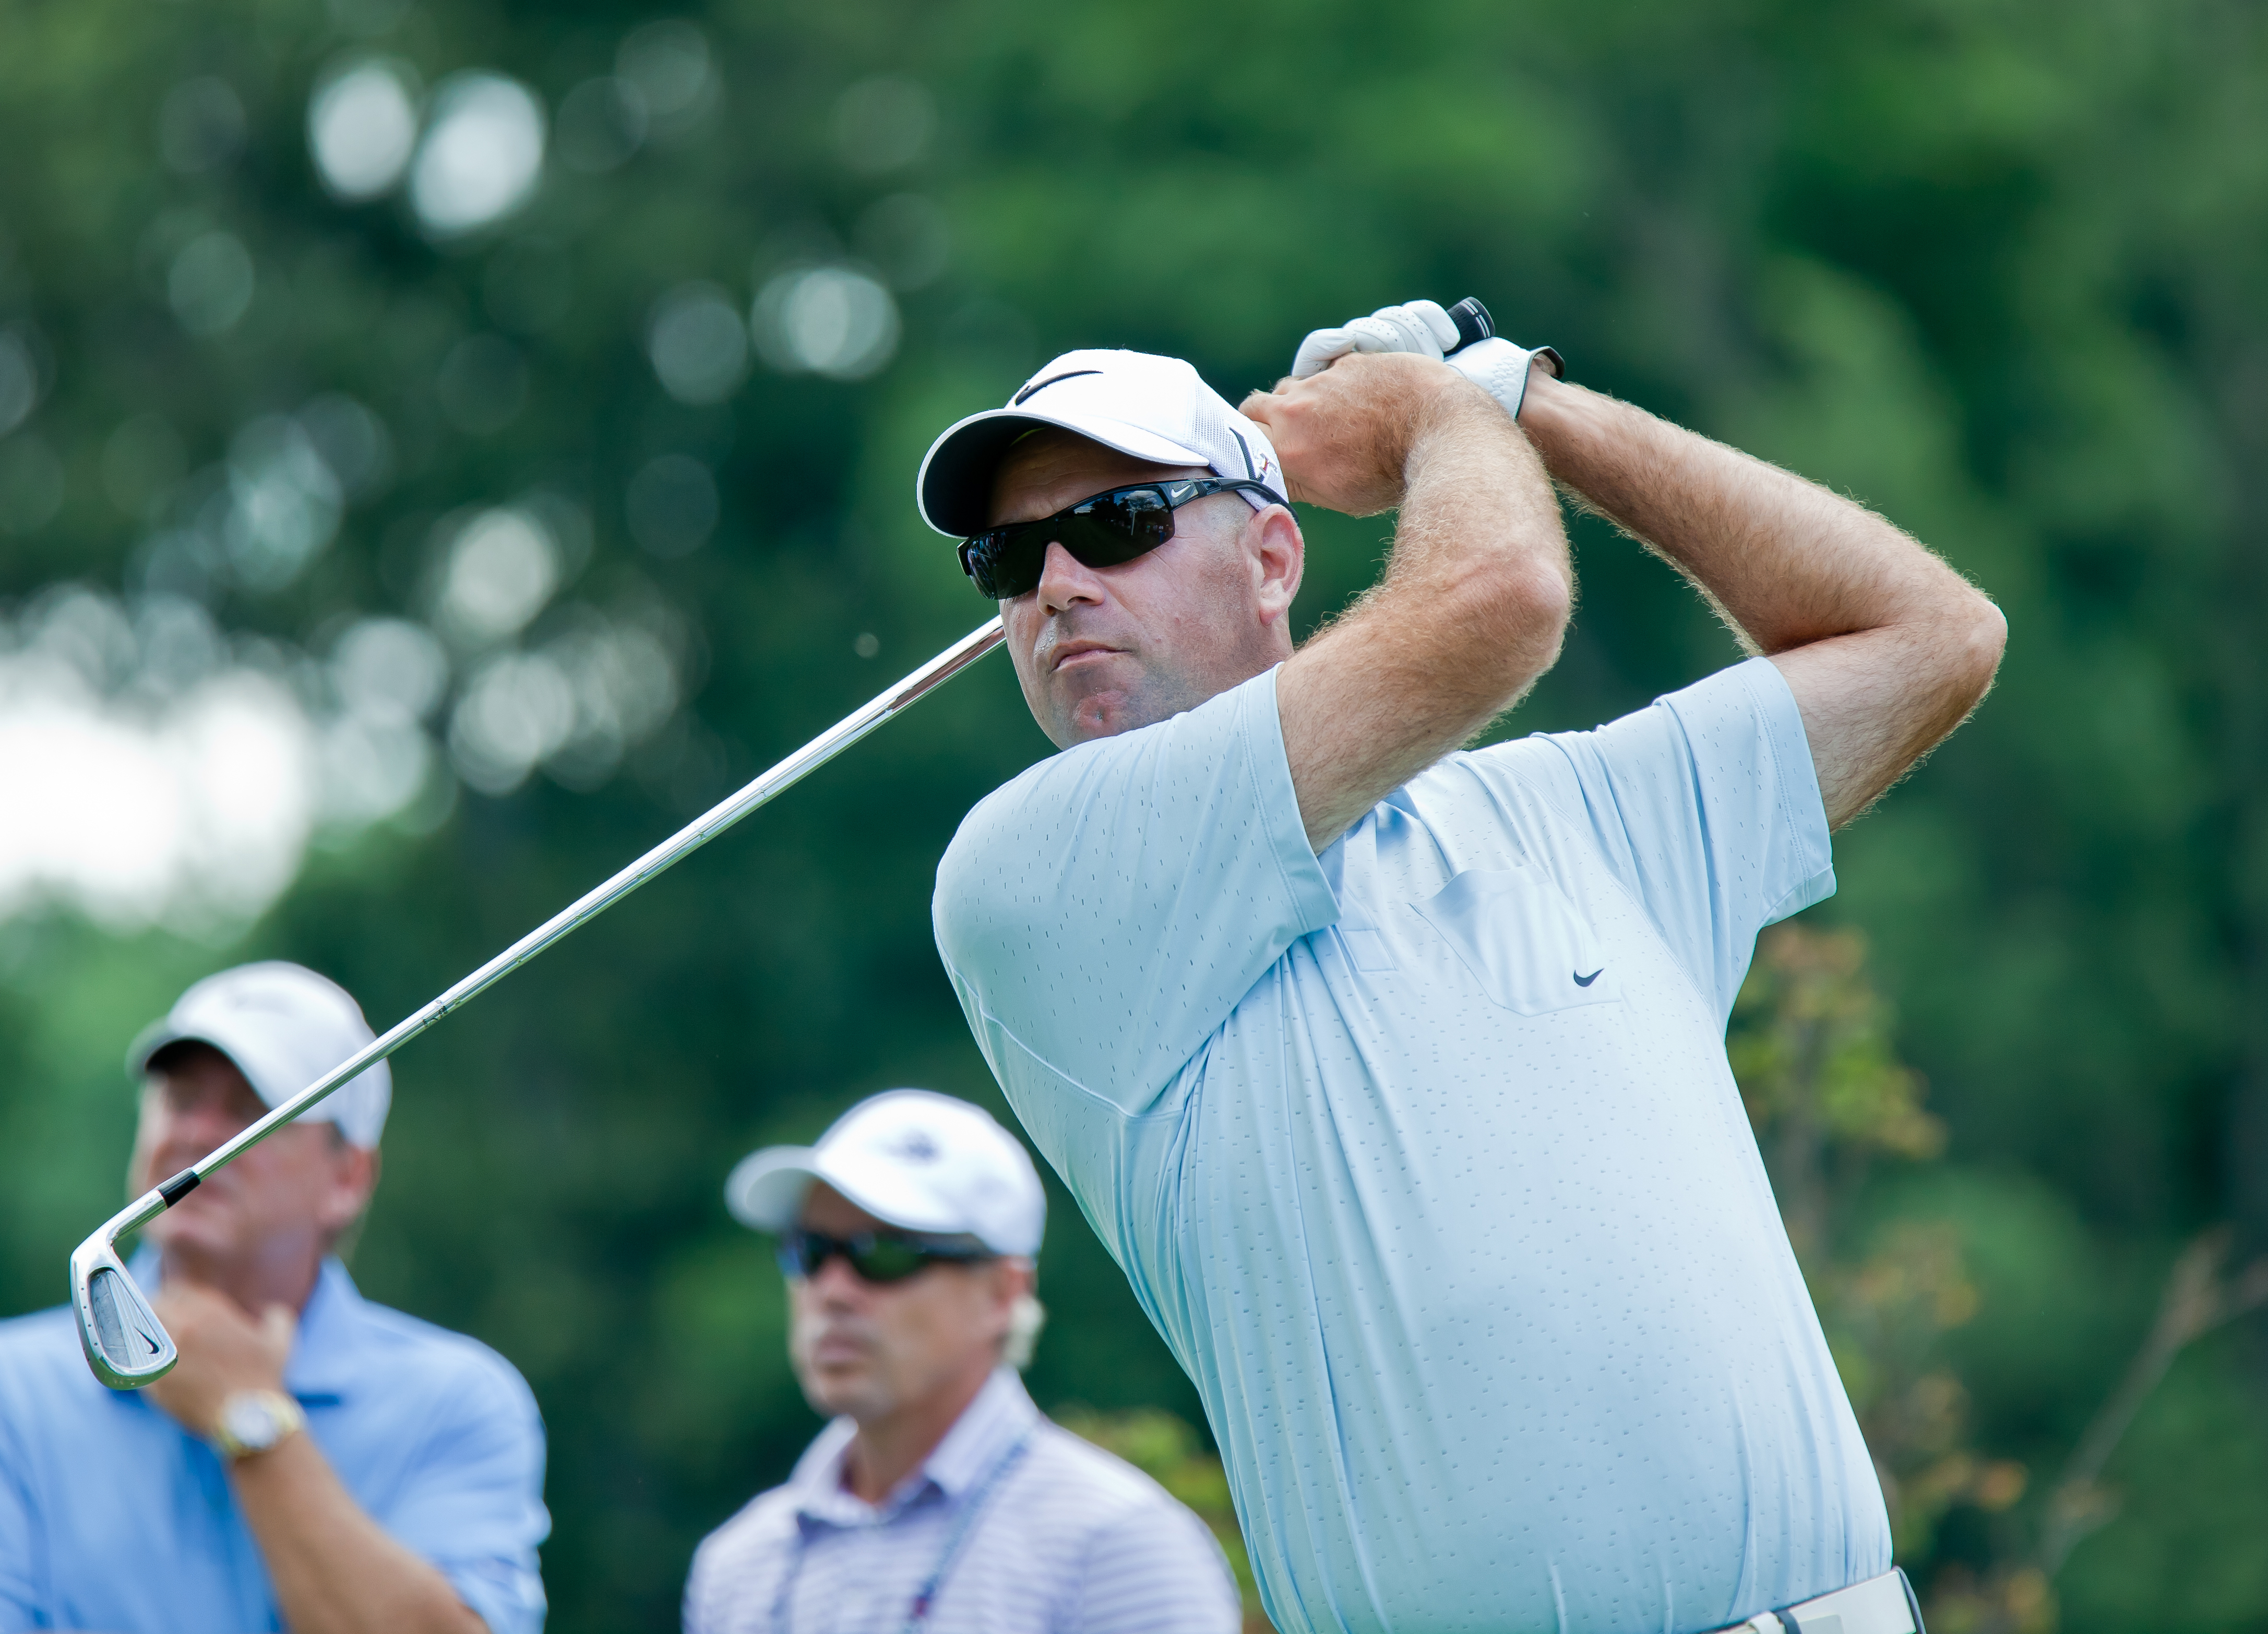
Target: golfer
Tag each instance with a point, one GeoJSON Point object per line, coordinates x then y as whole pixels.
{"type": "Point", "coordinates": [1393, 1074]}
{"type": "Point", "coordinates": [939, 1499]}
{"type": "Point", "coordinates": [314, 1461]}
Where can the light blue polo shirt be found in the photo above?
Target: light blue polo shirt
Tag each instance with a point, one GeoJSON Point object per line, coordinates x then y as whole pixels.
{"type": "Point", "coordinates": [1424, 1157]}
{"type": "Point", "coordinates": [114, 1517]}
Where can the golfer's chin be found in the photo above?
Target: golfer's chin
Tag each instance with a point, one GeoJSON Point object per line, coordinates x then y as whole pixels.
{"type": "Point", "coordinates": [198, 1229]}
{"type": "Point", "coordinates": [838, 1389]}
{"type": "Point", "coordinates": [1096, 696]}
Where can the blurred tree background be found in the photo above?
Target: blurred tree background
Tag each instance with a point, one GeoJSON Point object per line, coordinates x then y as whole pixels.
{"type": "Point", "coordinates": [442, 447]}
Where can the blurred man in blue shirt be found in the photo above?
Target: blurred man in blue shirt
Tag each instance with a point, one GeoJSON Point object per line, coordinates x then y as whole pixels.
{"type": "Point", "coordinates": [314, 1461]}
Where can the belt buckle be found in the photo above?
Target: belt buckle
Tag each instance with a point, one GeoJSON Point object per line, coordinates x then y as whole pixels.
{"type": "Point", "coordinates": [1773, 1622]}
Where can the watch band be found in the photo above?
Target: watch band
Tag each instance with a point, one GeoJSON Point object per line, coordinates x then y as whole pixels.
{"type": "Point", "coordinates": [253, 1421]}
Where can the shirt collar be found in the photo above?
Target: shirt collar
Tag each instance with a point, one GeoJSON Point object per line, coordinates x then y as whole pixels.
{"type": "Point", "coordinates": [1000, 1415]}
{"type": "Point", "coordinates": [324, 1353]}
{"type": "Point", "coordinates": [987, 1427]}
{"type": "Point", "coordinates": [325, 1358]}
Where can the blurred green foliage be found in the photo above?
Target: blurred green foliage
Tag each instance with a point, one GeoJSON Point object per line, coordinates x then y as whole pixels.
{"type": "Point", "coordinates": [1811, 1045]}
{"type": "Point", "coordinates": [1998, 269]}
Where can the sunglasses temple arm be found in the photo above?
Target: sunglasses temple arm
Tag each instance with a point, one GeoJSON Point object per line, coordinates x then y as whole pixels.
{"type": "Point", "coordinates": [688, 840]}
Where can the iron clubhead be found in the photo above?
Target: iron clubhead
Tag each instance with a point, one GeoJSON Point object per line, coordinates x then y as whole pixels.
{"type": "Point", "coordinates": [126, 1344]}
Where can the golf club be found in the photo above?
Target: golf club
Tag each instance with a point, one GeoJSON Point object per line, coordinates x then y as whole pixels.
{"type": "Point", "coordinates": [126, 1344]}
{"type": "Point", "coordinates": [127, 1347]}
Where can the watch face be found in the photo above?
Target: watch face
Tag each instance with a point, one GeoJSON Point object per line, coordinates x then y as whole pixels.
{"type": "Point", "coordinates": [251, 1422]}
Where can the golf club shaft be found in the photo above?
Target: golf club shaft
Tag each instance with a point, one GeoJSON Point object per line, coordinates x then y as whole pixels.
{"type": "Point", "coordinates": [702, 829]}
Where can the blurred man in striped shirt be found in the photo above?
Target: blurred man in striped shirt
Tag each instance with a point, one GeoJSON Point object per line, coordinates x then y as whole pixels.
{"type": "Point", "coordinates": [939, 1499]}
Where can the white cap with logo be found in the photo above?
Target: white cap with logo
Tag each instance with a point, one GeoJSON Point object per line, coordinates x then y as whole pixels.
{"type": "Point", "coordinates": [1155, 409]}
{"type": "Point", "coordinates": [911, 1157]}
{"type": "Point", "coordinates": [283, 1026]}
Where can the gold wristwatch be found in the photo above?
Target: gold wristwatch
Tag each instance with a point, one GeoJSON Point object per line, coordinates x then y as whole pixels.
{"type": "Point", "coordinates": [253, 1421]}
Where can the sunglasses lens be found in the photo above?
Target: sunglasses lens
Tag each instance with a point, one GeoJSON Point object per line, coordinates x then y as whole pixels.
{"type": "Point", "coordinates": [1006, 562]}
{"type": "Point", "coordinates": [1105, 531]}
{"type": "Point", "coordinates": [1117, 528]}
{"type": "Point", "coordinates": [885, 1260]}
{"type": "Point", "coordinates": [873, 1259]}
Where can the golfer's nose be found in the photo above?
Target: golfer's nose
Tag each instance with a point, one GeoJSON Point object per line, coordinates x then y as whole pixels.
{"type": "Point", "coordinates": [834, 1284]}
{"type": "Point", "coordinates": [202, 1122]}
{"type": "Point", "coordinates": [1065, 581]}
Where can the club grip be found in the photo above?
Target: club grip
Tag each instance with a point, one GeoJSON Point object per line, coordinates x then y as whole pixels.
{"type": "Point", "coordinates": [1472, 320]}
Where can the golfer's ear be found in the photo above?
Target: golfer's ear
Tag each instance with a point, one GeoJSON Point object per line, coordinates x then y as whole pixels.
{"type": "Point", "coordinates": [354, 1177]}
{"type": "Point", "coordinates": [1280, 558]}
{"type": "Point", "coordinates": [1012, 1280]}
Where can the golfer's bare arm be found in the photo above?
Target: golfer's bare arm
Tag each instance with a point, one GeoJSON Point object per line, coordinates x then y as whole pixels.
{"type": "Point", "coordinates": [335, 1568]}
{"type": "Point", "coordinates": [1885, 647]}
{"type": "Point", "coordinates": [1474, 598]}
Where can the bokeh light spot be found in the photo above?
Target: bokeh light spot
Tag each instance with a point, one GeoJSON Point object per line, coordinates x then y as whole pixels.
{"type": "Point", "coordinates": [362, 125]}
{"type": "Point", "coordinates": [832, 320]}
{"type": "Point", "coordinates": [501, 568]}
{"type": "Point", "coordinates": [284, 504]}
{"type": "Point", "coordinates": [481, 156]}
{"type": "Point", "coordinates": [669, 63]}
{"type": "Point", "coordinates": [209, 283]}
{"type": "Point", "coordinates": [698, 345]}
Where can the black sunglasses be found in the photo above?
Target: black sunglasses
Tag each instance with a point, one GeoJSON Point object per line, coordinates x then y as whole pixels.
{"type": "Point", "coordinates": [1103, 531]}
{"type": "Point", "coordinates": [876, 1256]}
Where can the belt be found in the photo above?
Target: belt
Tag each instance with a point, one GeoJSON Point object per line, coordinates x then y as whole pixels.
{"type": "Point", "coordinates": [1883, 1605]}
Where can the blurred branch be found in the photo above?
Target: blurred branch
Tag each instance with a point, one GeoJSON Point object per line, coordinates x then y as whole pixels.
{"type": "Point", "coordinates": [2196, 1301]}
{"type": "Point", "coordinates": [1816, 1070]}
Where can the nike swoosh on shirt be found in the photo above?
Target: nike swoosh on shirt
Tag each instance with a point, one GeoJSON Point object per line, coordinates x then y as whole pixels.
{"type": "Point", "coordinates": [1585, 980]}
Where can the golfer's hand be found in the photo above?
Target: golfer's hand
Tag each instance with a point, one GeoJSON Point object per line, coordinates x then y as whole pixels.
{"type": "Point", "coordinates": [223, 1350]}
{"type": "Point", "coordinates": [1418, 327]}
{"type": "Point", "coordinates": [1344, 435]}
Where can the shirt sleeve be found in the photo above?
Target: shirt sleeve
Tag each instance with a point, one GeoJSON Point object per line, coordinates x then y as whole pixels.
{"type": "Point", "coordinates": [1104, 913]}
{"type": "Point", "coordinates": [1705, 804]}
{"type": "Point", "coordinates": [477, 1510]}
{"type": "Point", "coordinates": [1157, 1571]}
{"type": "Point", "coordinates": [736, 1571]}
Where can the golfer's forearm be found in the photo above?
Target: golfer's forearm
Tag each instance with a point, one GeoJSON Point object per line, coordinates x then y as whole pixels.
{"type": "Point", "coordinates": [1471, 609]}
{"type": "Point", "coordinates": [1885, 647]}
{"type": "Point", "coordinates": [335, 1568]}
{"type": "Point", "coordinates": [1786, 561]}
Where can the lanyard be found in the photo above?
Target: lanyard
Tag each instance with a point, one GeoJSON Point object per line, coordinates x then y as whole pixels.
{"type": "Point", "coordinates": [925, 1596]}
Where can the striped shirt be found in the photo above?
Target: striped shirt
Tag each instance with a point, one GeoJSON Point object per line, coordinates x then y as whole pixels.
{"type": "Point", "coordinates": [1065, 1537]}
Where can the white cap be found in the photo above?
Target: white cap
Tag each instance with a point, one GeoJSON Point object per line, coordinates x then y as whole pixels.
{"type": "Point", "coordinates": [283, 1026]}
{"type": "Point", "coordinates": [912, 1159]}
{"type": "Point", "coordinates": [1155, 409]}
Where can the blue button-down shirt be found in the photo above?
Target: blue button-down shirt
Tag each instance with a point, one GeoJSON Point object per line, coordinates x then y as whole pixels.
{"type": "Point", "coordinates": [114, 1517]}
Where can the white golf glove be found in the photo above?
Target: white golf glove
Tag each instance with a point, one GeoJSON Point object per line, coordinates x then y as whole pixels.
{"type": "Point", "coordinates": [1496, 365]}
{"type": "Point", "coordinates": [1419, 327]}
